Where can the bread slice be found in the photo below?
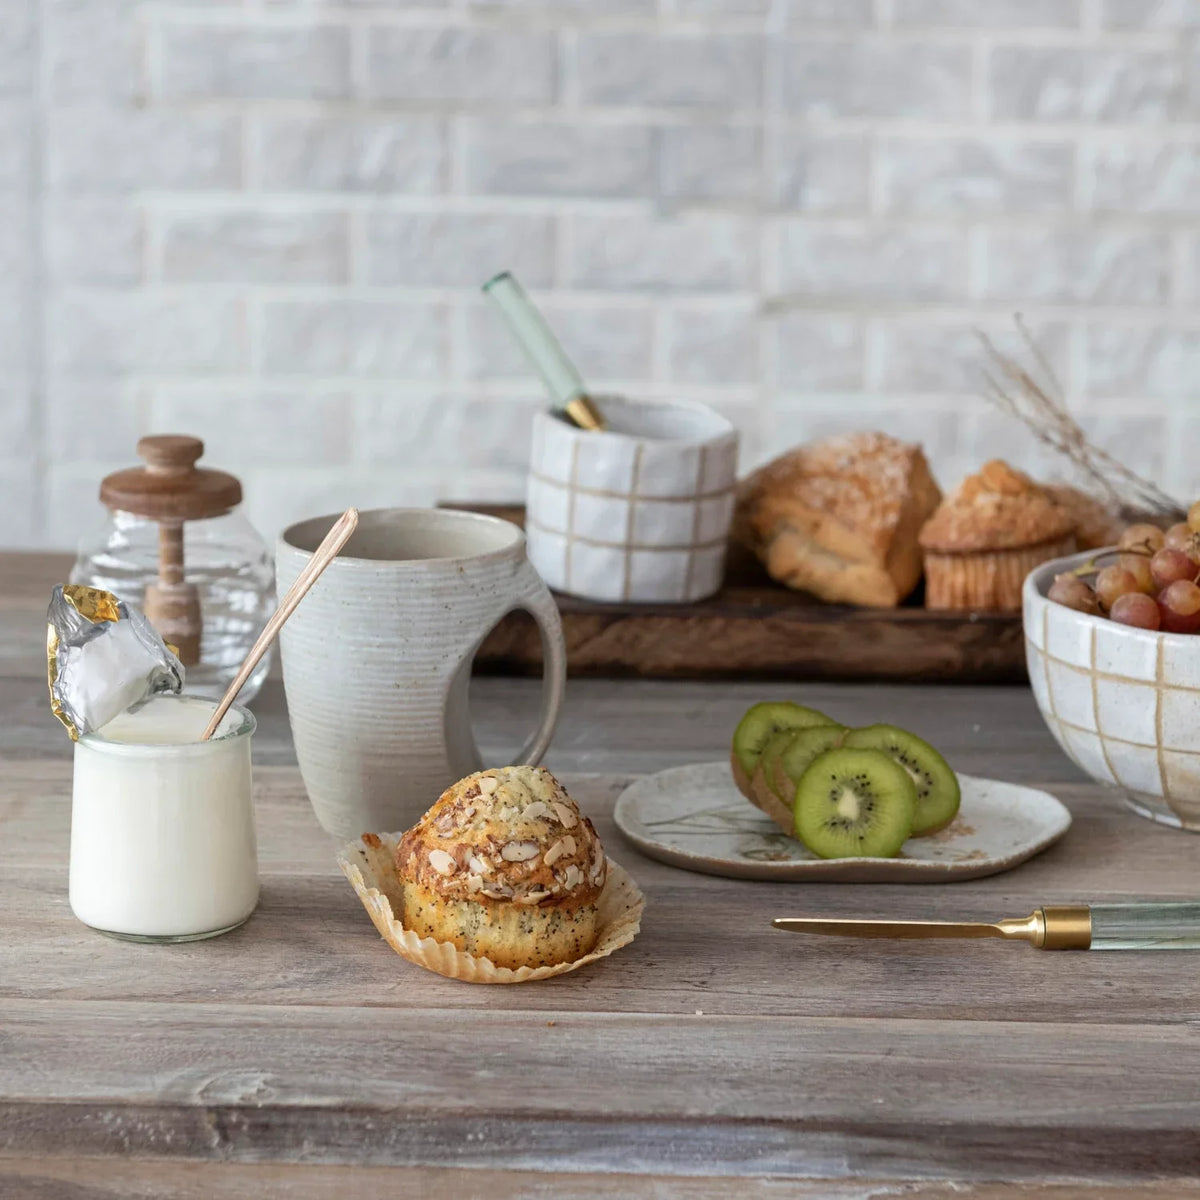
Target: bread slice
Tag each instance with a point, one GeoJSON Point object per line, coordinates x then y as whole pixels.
{"type": "Point", "coordinates": [840, 518]}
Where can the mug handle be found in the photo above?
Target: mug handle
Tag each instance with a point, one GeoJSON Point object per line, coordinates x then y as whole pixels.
{"type": "Point", "coordinates": [535, 599]}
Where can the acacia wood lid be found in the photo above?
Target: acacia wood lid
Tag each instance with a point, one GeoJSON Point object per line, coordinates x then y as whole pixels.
{"type": "Point", "coordinates": [170, 487]}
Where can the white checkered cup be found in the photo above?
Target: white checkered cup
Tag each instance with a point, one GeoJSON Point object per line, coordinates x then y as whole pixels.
{"type": "Point", "coordinates": [638, 512]}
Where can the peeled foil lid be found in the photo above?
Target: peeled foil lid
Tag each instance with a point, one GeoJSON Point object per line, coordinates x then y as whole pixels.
{"type": "Point", "coordinates": [102, 657]}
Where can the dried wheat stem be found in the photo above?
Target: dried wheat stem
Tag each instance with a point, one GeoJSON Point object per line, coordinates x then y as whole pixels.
{"type": "Point", "coordinates": [1040, 406]}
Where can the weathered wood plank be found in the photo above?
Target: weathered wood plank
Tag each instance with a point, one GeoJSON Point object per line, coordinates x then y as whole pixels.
{"type": "Point", "coordinates": [26, 579]}
{"type": "Point", "coordinates": [35, 811]}
{"type": "Point", "coordinates": [107, 1179]}
{"type": "Point", "coordinates": [642, 726]}
{"type": "Point", "coordinates": [757, 633]}
{"type": "Point", "coordinates": [302, 1039]}
{"type": "Point", "coordinates": [1136, 854]}
{"type": "Point", "coordinates": [25, 583]}
{"type": "Point", "coordinates": [706, 944]}
{"type": "Point", "coordinates": [701, 949]}
{"type": "Point", "coordinates": [702, 1095]}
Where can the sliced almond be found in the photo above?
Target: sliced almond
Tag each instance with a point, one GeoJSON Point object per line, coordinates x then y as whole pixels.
{"type": "Point", "coordinates": [569, 843]}
{"type": "Point", "coordinates": [556, 852]}
{"type": "Point", "coordinates": [488, 784]}
{"type": "Point", "coordinates": [442, 862]}
{"type": "Point", "coordinates": [536, 811]}
{"type": "Point", "coordinates": [519, 851]}
{"type": "Point", "coordinates": [477, 865]}
{"type": "Point", "coordinates": [564, 814]}
{"type": "Point", "coordinates": [574, 877]}
{"type": "Point", "coordinates": [534, 897]}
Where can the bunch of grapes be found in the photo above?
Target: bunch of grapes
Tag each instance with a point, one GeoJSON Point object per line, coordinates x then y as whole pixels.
{"type": "Point", "coordinates": [1154, 583]}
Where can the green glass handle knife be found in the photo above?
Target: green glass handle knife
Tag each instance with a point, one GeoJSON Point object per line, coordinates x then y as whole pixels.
{"type": "Point", "coordinates": [545, 355]}
{"type": "Point", "coordinates": [1140, 926]}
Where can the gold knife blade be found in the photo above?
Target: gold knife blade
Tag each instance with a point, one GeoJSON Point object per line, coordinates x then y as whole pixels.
{"type": "Point", "coordinates": [1061, 927]}
{"type": "Point", "coordinates": [888, 929]}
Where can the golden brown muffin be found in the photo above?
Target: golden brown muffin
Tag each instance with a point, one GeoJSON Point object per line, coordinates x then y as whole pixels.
{"type": "Point", "coordinates": [840, 518]}
{"type": "Point", "coordinates": [504, 867]}
{"type": "Point", "coordinates": [1096, 525]}
{"type": "Point", "coordinates": [987, 536]}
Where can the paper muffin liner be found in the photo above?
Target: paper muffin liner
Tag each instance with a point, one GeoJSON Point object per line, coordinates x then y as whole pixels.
{"type": "Point", "coordinates": [370, 865]}
{"type": "Point", "coordinates": [989, 579]}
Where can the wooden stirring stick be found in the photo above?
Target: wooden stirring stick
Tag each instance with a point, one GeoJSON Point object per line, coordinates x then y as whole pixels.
{"type": "Point", "coordinates": [324, 554]}
{"type": "Point", "coordinates": [171, 603]}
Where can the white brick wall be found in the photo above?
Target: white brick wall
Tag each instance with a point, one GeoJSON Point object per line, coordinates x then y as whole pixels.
{"type": "Point", "coordinates": [265, 222]}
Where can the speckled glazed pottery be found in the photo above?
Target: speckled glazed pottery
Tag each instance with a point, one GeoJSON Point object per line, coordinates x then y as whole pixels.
{"type": "Point", "coordinates": [639, 511]}
{"type": "Point", "coordinates": [377, 659]}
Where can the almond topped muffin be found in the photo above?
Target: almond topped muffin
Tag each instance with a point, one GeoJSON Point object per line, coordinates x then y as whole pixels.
{"type": "Point", "coordinates": [987, 535]}
{"type": "Point", "coordinates": [504, 867]}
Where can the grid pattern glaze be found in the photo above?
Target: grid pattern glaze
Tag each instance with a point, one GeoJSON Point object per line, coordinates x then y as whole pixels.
{"type": "Point", "coordinates": [1123, 704]}
{"type": "Point", "coordinates": [626, 519]}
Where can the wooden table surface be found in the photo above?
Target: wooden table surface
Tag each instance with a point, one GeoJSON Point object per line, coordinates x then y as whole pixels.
{"type": "Point", "coordinates": [713, 1057]}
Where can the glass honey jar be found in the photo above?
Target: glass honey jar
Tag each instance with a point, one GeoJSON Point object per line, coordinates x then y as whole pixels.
{"type": "Point", "coordinates": [176, 545]}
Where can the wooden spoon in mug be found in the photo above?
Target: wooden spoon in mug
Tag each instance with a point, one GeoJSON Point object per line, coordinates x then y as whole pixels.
{"type": "Point", "coordinates": [324, 554]}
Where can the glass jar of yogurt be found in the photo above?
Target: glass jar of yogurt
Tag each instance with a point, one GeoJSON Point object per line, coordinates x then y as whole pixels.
{"type": "Point", "coordinates": [162, 823]}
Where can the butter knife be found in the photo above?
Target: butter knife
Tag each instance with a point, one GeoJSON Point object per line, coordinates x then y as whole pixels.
{"type": "Point", "coordinates": [1141, 926]}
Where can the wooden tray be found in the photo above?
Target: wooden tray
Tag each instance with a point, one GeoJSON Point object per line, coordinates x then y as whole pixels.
{"type": "Point", "coordinates": [755, 629]}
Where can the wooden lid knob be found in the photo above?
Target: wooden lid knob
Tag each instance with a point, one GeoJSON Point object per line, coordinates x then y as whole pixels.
{"type": "Point", "coordinates": [163, 452]}
{"type": "Point", "coordinates": [170, 487]}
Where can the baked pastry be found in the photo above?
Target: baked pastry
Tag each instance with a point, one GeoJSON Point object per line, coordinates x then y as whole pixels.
{"type": "Point", "coordinates": [504, 867]}
{"type": "Point", "coordinates": [1096, 525]}
{"type": "Point", "coordinates": [987, 536]}
{"type": "Point", "coordinates": [840, 518]}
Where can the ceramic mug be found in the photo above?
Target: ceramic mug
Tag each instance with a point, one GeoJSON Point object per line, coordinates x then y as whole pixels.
{"type": "Point", "coordinates": [638, 512]}
{"type": "Point", "coordinates": [377, 659]}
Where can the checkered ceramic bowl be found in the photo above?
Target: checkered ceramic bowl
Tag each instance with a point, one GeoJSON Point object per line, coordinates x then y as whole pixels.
{"type": "Point", "coordinates": [1123, 703]}
{"type": "Point", "coordinates": [638, 512]}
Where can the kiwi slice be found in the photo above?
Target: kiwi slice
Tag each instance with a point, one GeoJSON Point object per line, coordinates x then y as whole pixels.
{"type": "Point", "coordinates": [938, 793]}
{"type": "Point", "coordinates": [787, 768]}
{"type": "Point", "coordinates": [761, 793]}
{"type": "Point", "coordinates": [855, 803]}
{"type": "Point", "coordinates": [759, 722]}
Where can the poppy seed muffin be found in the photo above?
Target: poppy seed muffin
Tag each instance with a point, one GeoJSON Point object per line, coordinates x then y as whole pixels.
{"type": "Point", "coordinates": [504, 867]}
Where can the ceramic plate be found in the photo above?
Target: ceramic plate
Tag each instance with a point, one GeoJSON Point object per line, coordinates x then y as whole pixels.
{"type": "Point", "coordinates": [694, 817]}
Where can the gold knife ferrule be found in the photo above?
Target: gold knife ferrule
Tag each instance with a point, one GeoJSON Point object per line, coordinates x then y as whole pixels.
{"type": "Point", "coordinates": [1031, 929]}
{"type": "Point", "coordinates": [584, 413]}
{"type": "Point", "coordinates": [1066, 927]}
